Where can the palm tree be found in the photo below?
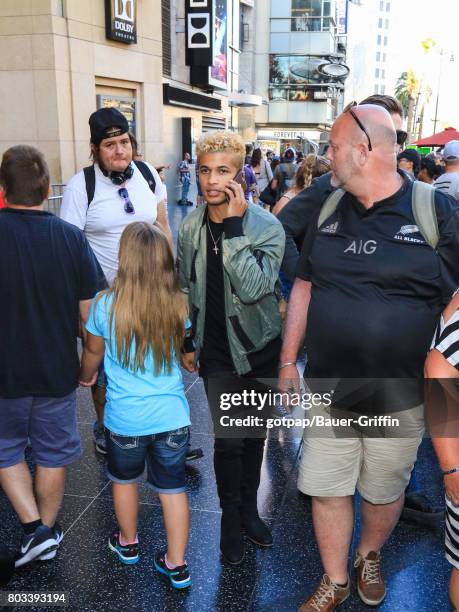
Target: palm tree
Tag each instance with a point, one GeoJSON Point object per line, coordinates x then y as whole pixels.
{"type": "Point", "coordinates": [406, 90]}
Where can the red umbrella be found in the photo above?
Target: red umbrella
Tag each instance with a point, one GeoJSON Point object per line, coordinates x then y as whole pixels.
{"type": "Point", "coordinates": [440, 139]}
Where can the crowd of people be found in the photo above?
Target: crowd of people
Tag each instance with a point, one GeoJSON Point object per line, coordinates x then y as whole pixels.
{"type": "Point", "coordinates": [365, 252]}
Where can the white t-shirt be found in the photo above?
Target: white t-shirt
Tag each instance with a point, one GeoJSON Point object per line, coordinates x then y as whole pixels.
{"type": "Point", "coordinates": [105, 219]}
{"type": "Point", "coordinates": [448, 183]}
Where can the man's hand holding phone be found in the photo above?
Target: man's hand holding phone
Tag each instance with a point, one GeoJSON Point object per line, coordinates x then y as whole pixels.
{"type": "Point", "coordinates": [237, 204]}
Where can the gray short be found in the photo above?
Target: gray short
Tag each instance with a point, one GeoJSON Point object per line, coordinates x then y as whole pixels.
{"type": "Point", "coordinates": [49, 422]}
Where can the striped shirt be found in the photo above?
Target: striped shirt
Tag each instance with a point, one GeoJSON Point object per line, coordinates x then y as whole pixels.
{"type": "Point", "coordinates": [446, 339]}
{"type": "Point", "coordinates": [452, 534]}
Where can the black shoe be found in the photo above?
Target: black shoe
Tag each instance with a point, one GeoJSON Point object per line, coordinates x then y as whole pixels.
{"type": "Point", "coordinates": [32, 546]}
{"type": "Point", "coordinates": [194, 453]}
{"type": "Point", "coordinates": [179, 576]}
{"type": "Point", "coordinates": [419, 511]}
{"type": "Point", "coordinates": [190, 203]}
{"type": "Point", "coordinates": [257, 531]}
{"type": "Point", "coordinates": [58, 536]}
{"type": "Point", "coordinates": [98, 430]}
{"type": "Point", "coordinates": [127, 554]}
{"type": "Point", "coordinates": [231, 540]}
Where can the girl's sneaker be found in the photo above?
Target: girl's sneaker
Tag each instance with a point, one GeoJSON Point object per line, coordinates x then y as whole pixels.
{"type": "Point", "coordinates": [128, 554]}
{"type": "Point", "coordinates": [179, 576]}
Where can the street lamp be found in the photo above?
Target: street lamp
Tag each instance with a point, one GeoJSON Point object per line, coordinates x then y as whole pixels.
{"type": "Point", "coordinates": [451, 59]}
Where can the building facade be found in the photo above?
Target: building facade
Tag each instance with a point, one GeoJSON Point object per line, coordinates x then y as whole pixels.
{"type": "Point", "coordinates": [300, 65]}
{"type": "Point", "coordinates": [62, 59]}
{"type": "Point", "coordinates": [57, 65]}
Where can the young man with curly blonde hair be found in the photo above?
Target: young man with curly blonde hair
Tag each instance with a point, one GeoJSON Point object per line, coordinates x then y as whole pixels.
{"type": "Point", "coordinates": [229, 254]}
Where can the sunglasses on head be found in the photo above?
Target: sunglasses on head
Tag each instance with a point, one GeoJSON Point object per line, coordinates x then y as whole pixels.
{"type": "Point", "coordinates": [128, 205]}
{"type": "Point", "coordinates": [349, 110]}
{"type": "Point", "coordinates": [401, 137]}
{"type": "Point", "coordinates": [401, 134]}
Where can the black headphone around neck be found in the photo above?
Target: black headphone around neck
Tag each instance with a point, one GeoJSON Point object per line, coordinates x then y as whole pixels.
{"type": "Point", "coordinates": [118, 178]}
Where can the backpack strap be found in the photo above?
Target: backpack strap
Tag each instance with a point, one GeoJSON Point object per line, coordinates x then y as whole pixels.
{"type": "Point", "coordinates": [424, 213]}
{"type": "Point", "coordinates": [146, 173]}
{"type": "Point", "coordinates": [90, 180]}
{"type": "Point", "coordinates": [329, 206]}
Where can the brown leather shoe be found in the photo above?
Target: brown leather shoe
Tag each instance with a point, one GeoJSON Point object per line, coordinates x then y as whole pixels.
{"type": "Point", "coordinates": [370, 583]}
{"type": "Point", "coordinates": [327, 596]}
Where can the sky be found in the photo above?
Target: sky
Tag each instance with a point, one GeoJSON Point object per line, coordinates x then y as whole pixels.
{"type": "Point", "coordinates": [414, 21]}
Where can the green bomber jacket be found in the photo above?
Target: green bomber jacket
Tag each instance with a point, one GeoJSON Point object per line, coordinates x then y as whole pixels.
{"type": "Point", "coordinates": [251, 264]}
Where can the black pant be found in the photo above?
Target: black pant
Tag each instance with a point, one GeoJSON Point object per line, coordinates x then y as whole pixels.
{"type": "Point", "coordinates": [237, 461]}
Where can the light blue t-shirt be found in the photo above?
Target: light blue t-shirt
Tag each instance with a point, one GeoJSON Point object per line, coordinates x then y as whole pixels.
{"type": "Point", "coordinates": [138, 403]}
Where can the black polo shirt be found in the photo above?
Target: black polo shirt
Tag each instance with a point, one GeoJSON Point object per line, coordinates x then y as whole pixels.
{"type": "Point", "coordinates": [46, 268]}
{"type": "Point", "coordinates": [377, 287]}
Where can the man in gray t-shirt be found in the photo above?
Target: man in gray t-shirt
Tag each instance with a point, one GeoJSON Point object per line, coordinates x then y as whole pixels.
{"type": "Point", "coordinates": [449, 181]}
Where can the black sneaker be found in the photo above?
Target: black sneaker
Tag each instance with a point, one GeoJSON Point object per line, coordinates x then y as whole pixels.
{"type": "Point", "coordinates": [58, 536]}
{"type": "Point", "coordinates": [194, 453]}
{"type": "Point", "coordinates": [99, 438]}
{"type": "Point", "coordinates": [179, 576]}
{"type": "Point", "coordinates": [128, 554]}
{"type": "Point", "coordinates": [35, 544]}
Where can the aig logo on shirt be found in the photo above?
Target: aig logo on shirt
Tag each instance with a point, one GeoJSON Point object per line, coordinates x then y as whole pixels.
{"type": "Point", "coordinates": [357, 247]}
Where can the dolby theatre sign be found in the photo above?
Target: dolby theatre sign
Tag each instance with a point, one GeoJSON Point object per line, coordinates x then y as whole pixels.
{"type": "Point", "coordinates": [120, 20]}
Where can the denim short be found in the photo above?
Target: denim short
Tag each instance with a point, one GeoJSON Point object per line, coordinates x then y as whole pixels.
{"type": "Point", "coordinates": [49, 422]}
{"type": "Point", "coordinates": [163, 453]}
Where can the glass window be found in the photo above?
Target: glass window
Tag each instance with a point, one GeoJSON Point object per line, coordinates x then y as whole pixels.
{"type": "Point", "coordinates": [297, 72]}
{"type": "Point", "coordinates": [384, 57]}
{"type": "Point", "coordinates": [380, 21]}
{"type": "Point", "coordinates": [379, 39]}
{"type": "Point", "coordinates": [383, 89]}
{"type": "Point", "coordinates": [278, 93]}
{"type": "Point", "coordinates": [386, 24]}
{"type": "Point", "coordinates": [376, 89]}
{"type": "Point", "coordinates": [326, 9]}
{"type": "Point", "coordinates": [310, 8]}
{"type": "Point", "coordinates": [381, 5]}
{"type": "Point", "coordinates": [385, 41]}
{"type": "Point", "coordinates": [378, 56]}
{"type": "Point", "coordinates": [387, 7]}
{"type": "Point", "coordinates": [306, 15]}
{"type": "Point", "coordinates": [377, 73]}
{"type": "Point", "coordinates": [383, 74]}
{"type": "Point", "coordinates": [280, 25]}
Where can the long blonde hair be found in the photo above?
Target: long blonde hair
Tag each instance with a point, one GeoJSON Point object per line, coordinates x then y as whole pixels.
{"type": "Point", "coordinates": [312, 167]}
{"type": "Point", "coordinates": [148, 310]}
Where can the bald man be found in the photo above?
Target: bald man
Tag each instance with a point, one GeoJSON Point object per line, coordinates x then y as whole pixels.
{"type": "Point", "coordinates": [368, 292]}
{"type": "Point", "coordinates": [296, 215]}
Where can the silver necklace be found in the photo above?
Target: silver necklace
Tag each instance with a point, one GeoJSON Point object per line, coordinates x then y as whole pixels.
{"type": "Point", "coordinates": [215, 249]}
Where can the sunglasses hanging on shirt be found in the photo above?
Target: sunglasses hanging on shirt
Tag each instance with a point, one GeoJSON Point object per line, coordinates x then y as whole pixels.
{"type": "Point", "coordinates": [128, 205]}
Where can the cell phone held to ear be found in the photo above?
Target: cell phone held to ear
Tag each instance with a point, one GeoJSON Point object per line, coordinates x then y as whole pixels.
{"type": "Point", "coordinates": [239, 178]}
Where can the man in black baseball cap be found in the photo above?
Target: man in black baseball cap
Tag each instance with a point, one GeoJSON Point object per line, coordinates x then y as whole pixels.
{"type": "Point", "coordinates": [409, 160]}
{"type": "Point", "coordinates": [107, 123]}
{"type": "Point", "coordinates": [105, 197]}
